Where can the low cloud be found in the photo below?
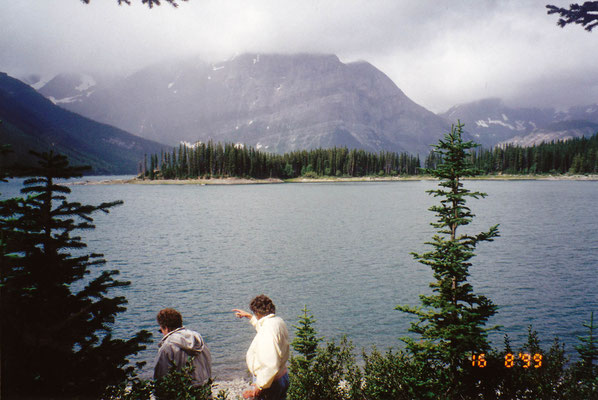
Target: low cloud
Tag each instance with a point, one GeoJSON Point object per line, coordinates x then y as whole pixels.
{"type": "Point", "coordinates": [439, 54]}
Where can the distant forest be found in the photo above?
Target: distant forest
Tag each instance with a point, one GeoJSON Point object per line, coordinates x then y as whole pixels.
{"type": "Point", "coordinates": [230, 160]}
{"type": "Point", "coordinates": [574, 156]}
{"type": "Point", "coordinates": [211, 160]}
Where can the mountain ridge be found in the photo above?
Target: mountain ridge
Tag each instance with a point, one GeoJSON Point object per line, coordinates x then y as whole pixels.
{"type": "Point", "coordinates": [32, 122]}
{"type": "Point", "coordinates": [274, 102]}
{"type": "Point", "coordinates": [287, 102]}
{"type": "Point", "coordinates": [492, 122]}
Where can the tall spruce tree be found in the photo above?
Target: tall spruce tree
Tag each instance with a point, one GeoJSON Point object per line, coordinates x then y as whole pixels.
{"type": "Point", "coordinates": [56, 316]}
{"type": "Point", "coordinates": [451, 321]}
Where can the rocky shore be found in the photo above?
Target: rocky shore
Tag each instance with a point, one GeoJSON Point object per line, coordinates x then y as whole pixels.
{"type": "Point", "coordinates": [245, 181]}
{"type": "Point", "coordinates": [234, 388]}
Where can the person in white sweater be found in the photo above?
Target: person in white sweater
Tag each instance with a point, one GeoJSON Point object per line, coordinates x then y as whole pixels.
{"type": "Point", "coordinates": [269, 352]}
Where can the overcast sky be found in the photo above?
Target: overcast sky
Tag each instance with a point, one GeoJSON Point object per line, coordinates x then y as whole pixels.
{"type": "Point", "coordinates": [440, 53]}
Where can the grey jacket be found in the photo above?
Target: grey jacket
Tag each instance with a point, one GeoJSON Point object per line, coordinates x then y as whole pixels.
{"type": "Point", "coordinates": [176, 347]}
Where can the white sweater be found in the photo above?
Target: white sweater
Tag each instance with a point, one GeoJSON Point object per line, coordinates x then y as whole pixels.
{"type": "Point", "coordinates": [269, 352]}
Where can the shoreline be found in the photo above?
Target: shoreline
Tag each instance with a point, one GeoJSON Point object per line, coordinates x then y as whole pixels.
{"type": "Point", "coordinates": [234, 387]}
{"type": "Point", "coordinates": [269, 181]}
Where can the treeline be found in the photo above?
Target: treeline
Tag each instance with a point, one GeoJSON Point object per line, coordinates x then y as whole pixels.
{"type": "Point", "coordinates": [209, 160]}
{"type": "Point", "coordinates": [574, 156]}
{"type": "Point", "coordinates": [212, 160]}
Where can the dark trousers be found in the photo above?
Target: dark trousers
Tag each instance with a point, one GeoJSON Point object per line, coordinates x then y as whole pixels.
{"type": "Point", "coordinates": [276, 391]}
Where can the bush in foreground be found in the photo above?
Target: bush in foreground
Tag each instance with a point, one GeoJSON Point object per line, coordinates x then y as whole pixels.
{"type": "Point", "coordinates": [176, 385]}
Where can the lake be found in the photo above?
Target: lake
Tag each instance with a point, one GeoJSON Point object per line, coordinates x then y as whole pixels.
{"type": "Point", "coordinates": [342, 249]}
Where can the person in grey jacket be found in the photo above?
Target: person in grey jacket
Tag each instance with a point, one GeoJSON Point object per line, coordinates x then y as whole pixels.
{"type": "Point", "coordinates": [178, 345]}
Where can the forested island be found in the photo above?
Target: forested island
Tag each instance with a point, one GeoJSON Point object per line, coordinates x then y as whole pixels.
{"type": "Point", "coordinates": [217, 160]}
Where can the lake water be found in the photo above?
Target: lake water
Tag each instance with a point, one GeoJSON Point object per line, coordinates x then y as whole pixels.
{"type": "Point", "coordinates": [342, 249]}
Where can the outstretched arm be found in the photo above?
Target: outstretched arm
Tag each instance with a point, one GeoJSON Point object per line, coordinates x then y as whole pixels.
{"type": "Point", "coordinates": [241, 313]}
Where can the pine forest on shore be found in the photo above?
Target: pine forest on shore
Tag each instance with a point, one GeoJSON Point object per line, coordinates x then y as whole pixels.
{"type": "Point", "coordinates": [217, 160]}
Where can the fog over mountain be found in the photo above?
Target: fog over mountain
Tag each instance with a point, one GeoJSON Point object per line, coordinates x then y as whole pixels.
{"type": "Point", "coordinates": [281, 103]}
{"type": "Point", "coordinates": [274, 102]}
{"type": "Point", "coordinates": [439, 53]}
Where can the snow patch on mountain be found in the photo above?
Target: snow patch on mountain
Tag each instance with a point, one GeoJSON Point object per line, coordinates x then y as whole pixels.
{"type": "Point", "coordinates": [42, 82]}
{"type": "Point", "coordinates": [486, 123]}
{"type": "Point", "coordinates": [87, 82]}
{"type": "Point", "coordinates": [190, 145]}
{"type": "Point", "coordinates": [536, 138]}
{"type": "Point", "coordinates": [520, 125]}
{"type": "Point", "coordinates": [66, 100]}
{"type": "Point", "coordinates": [120, 143]}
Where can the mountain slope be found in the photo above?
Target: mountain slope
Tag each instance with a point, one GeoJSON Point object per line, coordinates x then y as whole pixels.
{"type": "Point", "coordinates": [491, 122]}
{"type": "Point", "coordinates": [555, 131]}
{"type": "Point", "coordinates": [30, 121]}
{"type": "Point", "coordinates": [275, 102]}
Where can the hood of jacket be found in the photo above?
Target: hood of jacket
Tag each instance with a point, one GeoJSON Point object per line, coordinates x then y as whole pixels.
{"type": "Point", "coordinates": [187, 340]}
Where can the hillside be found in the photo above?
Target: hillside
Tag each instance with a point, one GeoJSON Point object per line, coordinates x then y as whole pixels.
{"type": "Point", "coordinates": [32, 122]}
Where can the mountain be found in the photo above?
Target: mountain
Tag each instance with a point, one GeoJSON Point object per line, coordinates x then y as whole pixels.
{"type": "Point", "coordinates": [561, 130]}
{"type": "Point", "coordinates": [32, 122]}
{"type": "Point", "coordinates": [67, 88]}
{"type": "Point", "coordinates": [491, 122]}
{"type": "Point", "coordinates": [581, 113]}
{"type": "Point", "coordinates": [277, 103]}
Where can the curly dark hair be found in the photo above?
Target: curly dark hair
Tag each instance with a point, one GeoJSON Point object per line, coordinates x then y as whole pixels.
{"type": "Point", "coordinates": [262, 305]}
{"type": "Point", "coordinates": [170, 318]}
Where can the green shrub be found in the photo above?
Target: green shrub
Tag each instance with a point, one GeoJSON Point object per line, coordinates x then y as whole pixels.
{"type": "Point", "coordinates": [318, 373]}
{"type": "Point", "coordinates": [527, 380]}
{"type": "Point", "coordinates": [177, 385]}
{"type": "Point", "coordinates": [582, 377]}
{"type": "Point", "coordinates": [332, 375]}
{"type": "Point", "coordinates": [387, 377]}
{"type": "Point", "coordinates": [311, 175]}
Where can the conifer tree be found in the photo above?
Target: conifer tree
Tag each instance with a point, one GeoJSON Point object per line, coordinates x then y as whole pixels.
{"type": "Point", "coordinates": [305, 342]}
{"type": "Point", "coordinates": [588, 348]}
{"type": "Point", "coordinates": [451, 321]}
{"type": "Point", "coordinates": [56, 315]}
{"type": "Point", "coordinates": [318, 373]}
{"type": "Point", "coordinates": [301, 372]}
{"type": "Point", "coordinates": [583, 375]}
